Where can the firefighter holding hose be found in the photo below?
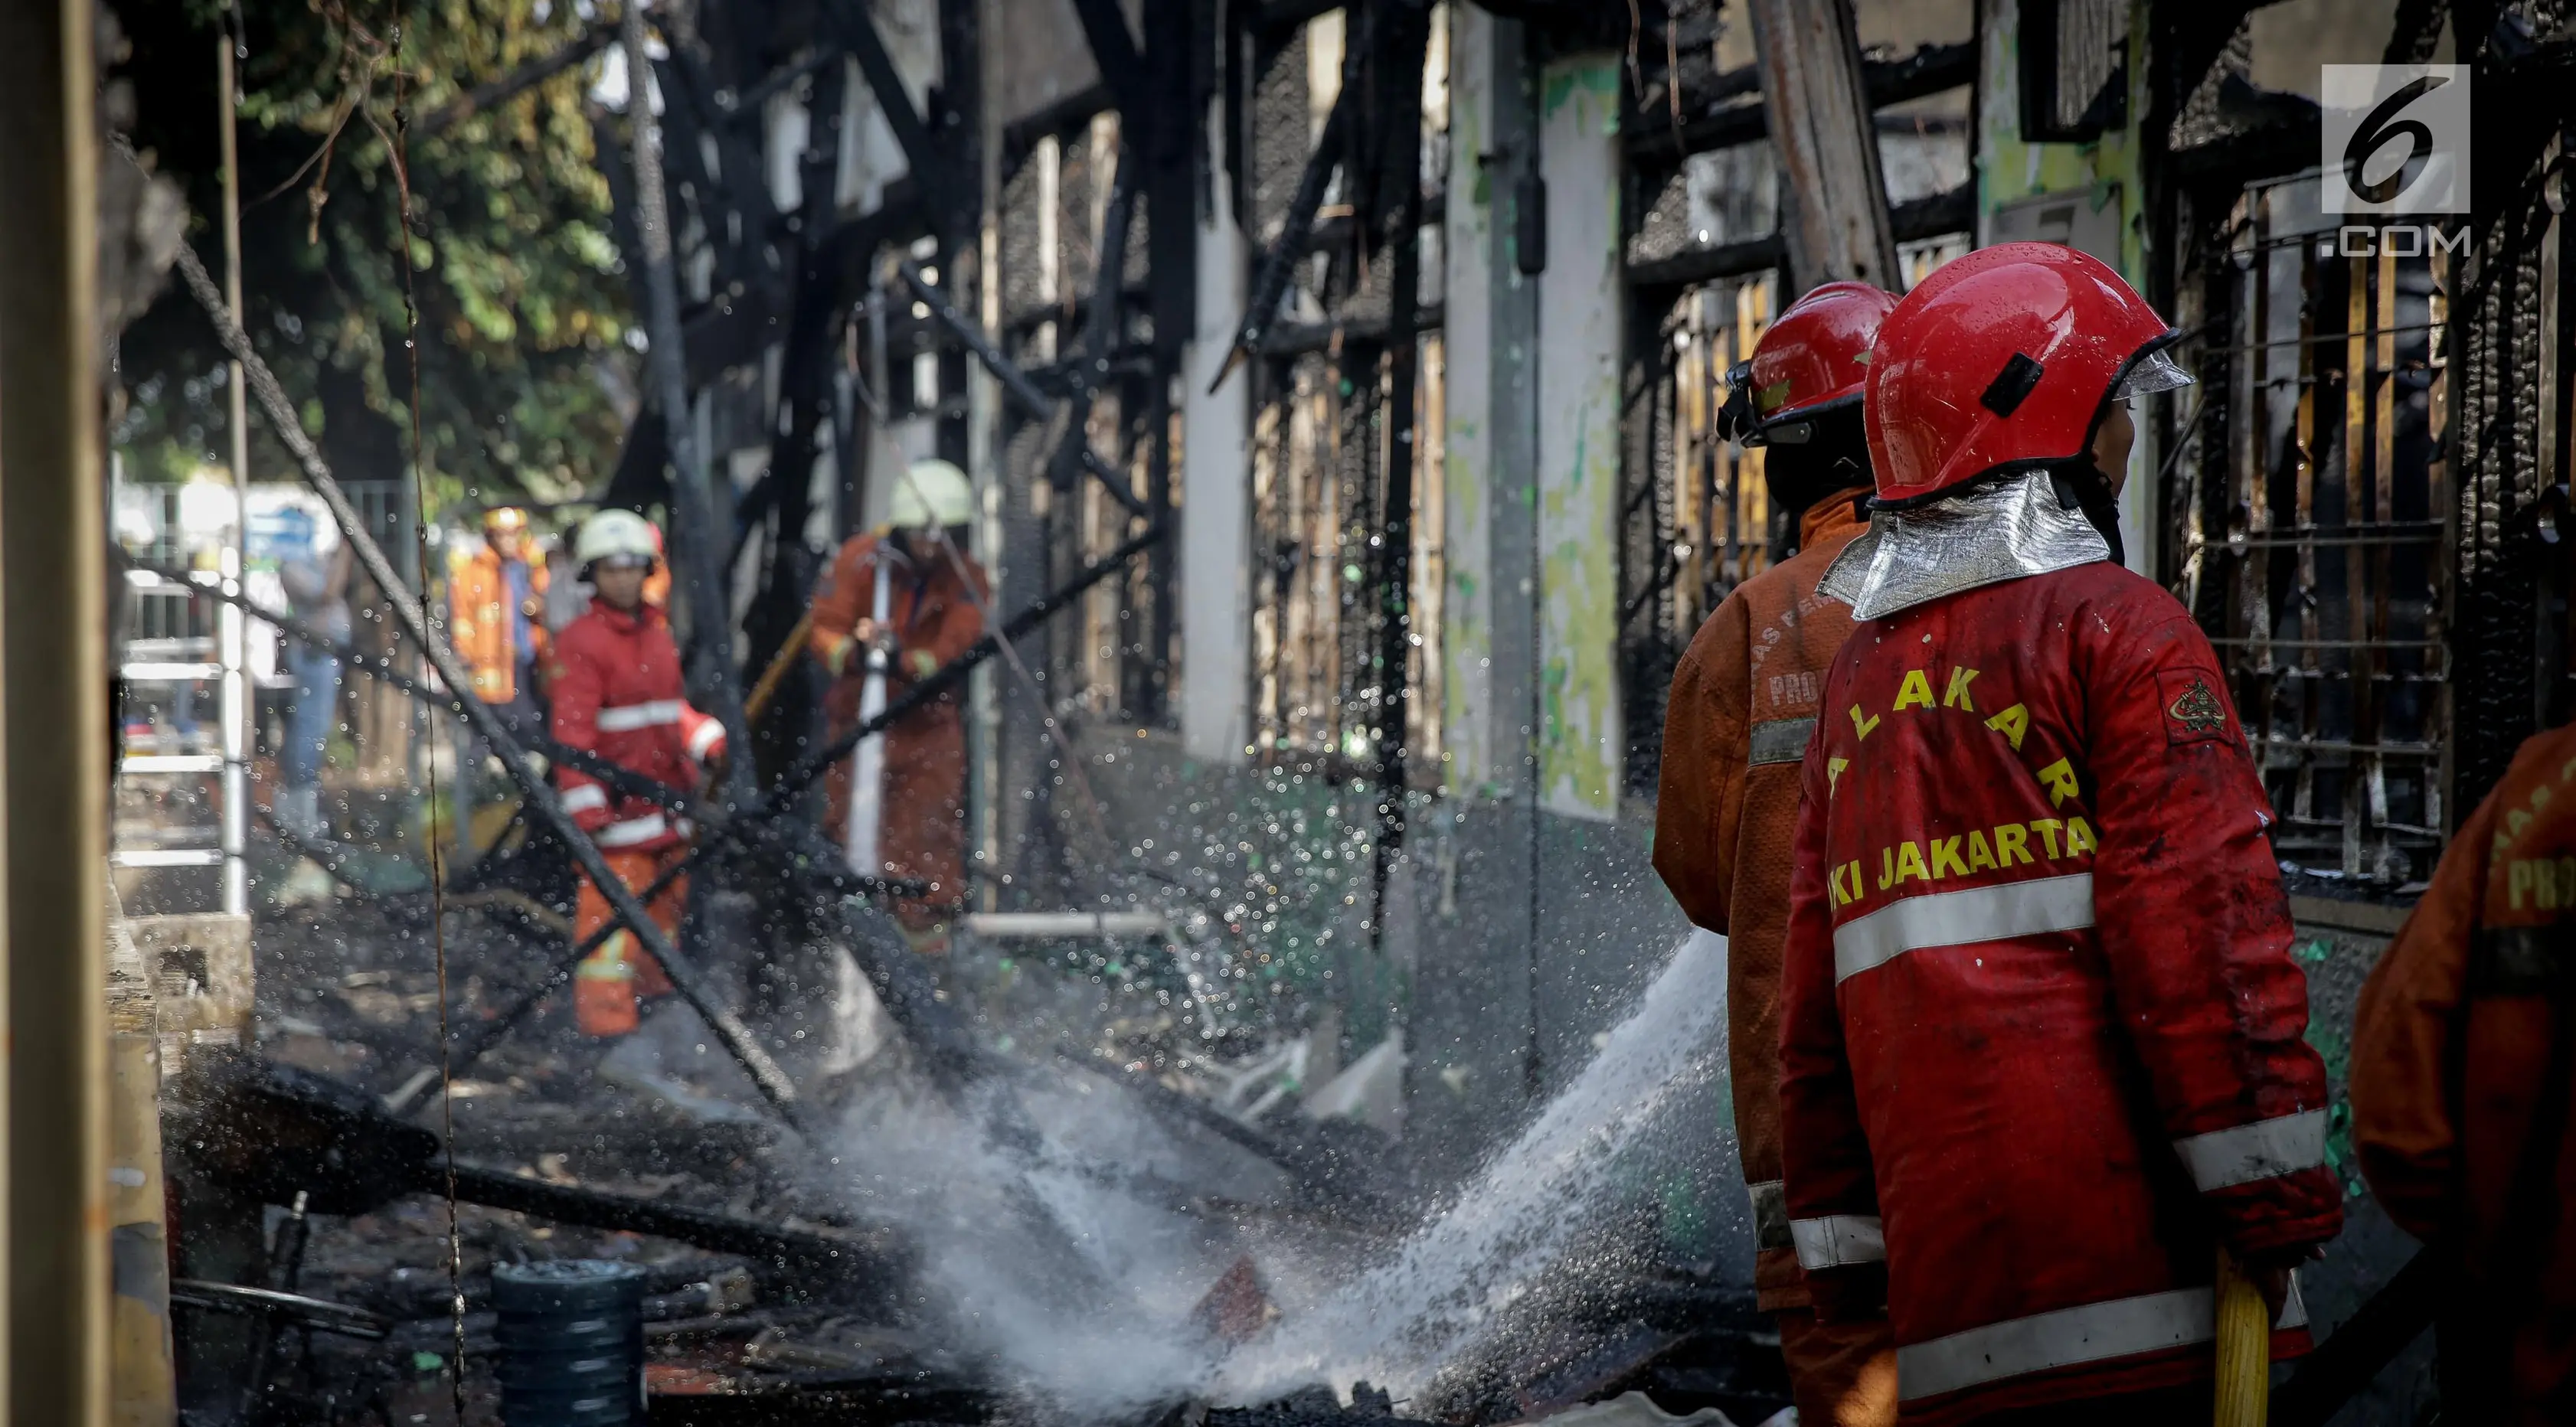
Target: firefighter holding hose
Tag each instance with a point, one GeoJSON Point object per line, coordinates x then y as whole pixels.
{"type": "Point", "coordinates": [1742, 709]}
{"type": "Point", "coordinates": [2041, 1034]}
{"type": "Point", "coordinates": [618, 693]}
{"type": "Point", "coordinates": [896, 605]}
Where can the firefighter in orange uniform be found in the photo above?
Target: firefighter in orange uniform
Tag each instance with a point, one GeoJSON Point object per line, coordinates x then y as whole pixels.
{"type": "Point", "coordinates": [2041, 1034]}
{"type": "Point", "coordinates": [1743, 706]}
{"type": "Point", "coordinates": [2463, 1064]}
{"type": "Point", "coordinates": [897, 605]}
{"type": "Point", "coordinates": [618, 694]}
{"type": "Point", "coordinates": [496, 602]}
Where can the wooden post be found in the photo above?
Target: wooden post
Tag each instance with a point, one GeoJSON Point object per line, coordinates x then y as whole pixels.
{"type": "Point", "coordinates": [1835, 217]}
{"type": "Point", "coordinates": [53, 754]}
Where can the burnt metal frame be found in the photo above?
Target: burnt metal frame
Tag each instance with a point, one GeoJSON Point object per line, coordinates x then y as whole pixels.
{"type": "Point", "coordinates": [1733, 116]}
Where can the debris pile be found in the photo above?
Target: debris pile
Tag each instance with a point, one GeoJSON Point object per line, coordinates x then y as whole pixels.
{"type": "Point", "coordinates": [1116, 1245]}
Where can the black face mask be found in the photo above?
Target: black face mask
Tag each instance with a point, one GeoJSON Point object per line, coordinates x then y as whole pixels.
{"type": "Point", "coordinates": [2081, 485]}
{"type": "Point", "coordinates": [1834, 457]}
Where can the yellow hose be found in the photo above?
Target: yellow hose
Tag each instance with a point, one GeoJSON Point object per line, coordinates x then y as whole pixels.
{"type": "Point", "coordinates": [2244, 1348]}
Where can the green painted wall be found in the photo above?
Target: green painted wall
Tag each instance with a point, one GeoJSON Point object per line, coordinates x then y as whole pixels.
{"type": "Point", "coordinates": [1580, 304]}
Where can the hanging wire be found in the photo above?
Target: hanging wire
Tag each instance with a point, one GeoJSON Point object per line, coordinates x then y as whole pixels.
{"type": "Point", "coordinates": [399, 142]}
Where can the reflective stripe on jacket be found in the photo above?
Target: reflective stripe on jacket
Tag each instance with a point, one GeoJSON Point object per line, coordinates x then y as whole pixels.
{"type": "Point", "coordinates": [2452, 1052]}
{"type": "Point", "coordinates": [1742, 707]}
{"type": "Point", "coordinates": [616, 692]}
{"type": "Point", "coordinates": [2041, 1032]}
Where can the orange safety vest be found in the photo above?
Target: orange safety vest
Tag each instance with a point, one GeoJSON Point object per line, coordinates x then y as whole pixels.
{"type": "Point", "coordinates": [479, 622]}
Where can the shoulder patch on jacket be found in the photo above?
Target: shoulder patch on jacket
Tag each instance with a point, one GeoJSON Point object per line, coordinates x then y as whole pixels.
{"type": "Point", "coordinates": [2194, 713]}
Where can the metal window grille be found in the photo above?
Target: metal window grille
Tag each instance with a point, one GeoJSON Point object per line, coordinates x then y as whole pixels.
{"type": "Point", "coordinates": [1696, 518]}
{"type": "Point", "coordinates": [2316, 529]}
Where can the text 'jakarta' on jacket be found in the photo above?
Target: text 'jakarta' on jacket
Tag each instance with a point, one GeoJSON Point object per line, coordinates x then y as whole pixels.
{"type": "Point", "coordinates": [2041, 1033]}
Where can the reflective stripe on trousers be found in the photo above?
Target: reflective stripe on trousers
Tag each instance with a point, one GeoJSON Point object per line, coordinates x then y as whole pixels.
{"type": "Point", "coordinates": [1962, 918]}
{"type": "Point", "coordinates": [2265, 1149]}
{"type": "Point", "coordinates": [632, 831]}
{"type": "Point", "coordinates": [2068, 1337]}
{"type": "Point", "coordinates": [1838, 1240]}
{"type": "Point", "coordinates": [626, 718]}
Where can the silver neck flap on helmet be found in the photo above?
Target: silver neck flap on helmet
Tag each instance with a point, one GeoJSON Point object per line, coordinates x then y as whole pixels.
{"type": "Point", "coordinates": [1997, 530]}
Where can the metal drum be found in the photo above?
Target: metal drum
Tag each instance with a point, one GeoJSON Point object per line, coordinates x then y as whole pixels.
{"type": "Point", "coordinates": [571, 1335]}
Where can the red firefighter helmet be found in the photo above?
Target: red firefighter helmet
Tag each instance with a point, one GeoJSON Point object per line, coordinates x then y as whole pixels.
{"type": "Point", "coordinates": [2005, 357]}
{"type": "Point", "coordinates": [1813, 358]}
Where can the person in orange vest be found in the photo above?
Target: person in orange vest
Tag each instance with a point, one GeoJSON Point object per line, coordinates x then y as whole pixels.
{"type": "Point", "coordinates": [2463, 1066]}
{"type": "Point", "coordinates": [895, 606]}
{"type": "Point", "coordinates": [618, 694]}
{"type": "Point", "coordinates": [1743, 704]}
{"type": "Point", "coordinates": [496, 599]}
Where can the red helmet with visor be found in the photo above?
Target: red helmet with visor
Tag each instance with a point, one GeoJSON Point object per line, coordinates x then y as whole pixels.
{"type": "Point", "coordinates": [2004, 358]}
{"type": "Point", "coordinates": [1814, 358]}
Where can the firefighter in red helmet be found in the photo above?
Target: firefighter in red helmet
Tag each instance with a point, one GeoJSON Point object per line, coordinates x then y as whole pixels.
{"type": "Point", "coordinates": [618, 694]}
{"type": "Point", "coordinates": [1741, 711]}
{"type": "Point", "coordinates": [2041, 1035]}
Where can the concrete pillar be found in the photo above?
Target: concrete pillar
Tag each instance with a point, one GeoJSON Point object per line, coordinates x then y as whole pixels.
{"type": "Point", "coordinates": [1215, 496]}
{"type": "Point", "coordinates": [1580, 302]}
{"type": "Point", "coordinates": [1470, 736]}
{"type": "Point", "coordinates": [1471, 1033]}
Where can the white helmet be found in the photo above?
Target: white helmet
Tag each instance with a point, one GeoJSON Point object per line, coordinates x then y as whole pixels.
{"type": "Point", "coordinates": [614, 532]}
{"type": "Point", "coordinates": [932, 492]}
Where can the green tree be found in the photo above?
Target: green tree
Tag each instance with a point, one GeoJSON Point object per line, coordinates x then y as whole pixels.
{"type": "Point", "coordinates": [525, 373]}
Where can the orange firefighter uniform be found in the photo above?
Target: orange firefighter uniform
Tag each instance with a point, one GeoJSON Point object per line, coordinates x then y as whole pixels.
{"type": "Point", "coordinates": [617, 693]}
{"type": "Point", "coordinates": [495, 629]}
{"type": "Point", "coordinates": [933, 619]}
{"type": "Point", "coordinates": [2461, 1070]}
{"type": "Point", "coordinates": [1742, 707]}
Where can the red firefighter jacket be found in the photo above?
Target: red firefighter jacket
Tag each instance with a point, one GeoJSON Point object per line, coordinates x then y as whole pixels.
{"type": "Point", "coordinates": [1743, 706]}
{"type": "Point", "coordinates": [2454, 1050]}
{"type": "Point", "coordinates": [2041, 1033]}
{"type": "Point", "coordinates": [617, 693]}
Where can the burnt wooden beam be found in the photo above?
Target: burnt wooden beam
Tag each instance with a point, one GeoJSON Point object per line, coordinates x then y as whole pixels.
{"type": "Point", "coordinates": [1927, 71]}
{"type": "Point", "coordinates": [858, 32]}
{"type": "Point", "coordinates": [1015, 383]}
{"type": "Point", "coordinates": [744, 107]}
{"type": "Point", "coordinates": [1280, 15]}
{"type": "Point", "coordinates": [1296, 231]}
{"type": "Point", "coordinates": [1113, 49]}
{"type": "Point", "coordinates": [1818, 109]}
{"type": "Point", "coordinates": [1408, 44]}
{"type": "Point", "coordinates": [1055, 120]}
{"type": "Point", "coordinates": [1950, 211]}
